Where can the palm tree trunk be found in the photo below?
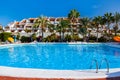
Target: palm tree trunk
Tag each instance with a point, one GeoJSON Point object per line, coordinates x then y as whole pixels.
{"type": "Point", "coordinates": [89, 35]}
{"type": "Point", "coordinates": [63, 35]}
{"type": "Point", "coordinates": [97, 35]}
{"type": "Point", "coordinates": [116, 29]}
{"type": "Point", "coordinates": [72, 33]}
{"type": "Point", "coordinates": [42, 34]}
{"type": "Point", "coordinates": [115, 33]}
{"type": "Point", "coordinates": [109, 31]}
{"type": "Point", "coordinates": [102, 30]}
{"type": "Point", "coordinates": [60, 36]}
{"type": "Point", "coordinates": [84, 37]}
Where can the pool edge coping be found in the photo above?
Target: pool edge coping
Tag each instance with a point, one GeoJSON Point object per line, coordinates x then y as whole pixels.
{"type": "Point", "coordinates": [66, 74]}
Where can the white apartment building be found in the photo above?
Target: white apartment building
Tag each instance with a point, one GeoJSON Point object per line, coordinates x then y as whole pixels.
{"type": "Point", "coordinates": [27, 24]}
{"type": "Point", "coordinates": [25, 27]}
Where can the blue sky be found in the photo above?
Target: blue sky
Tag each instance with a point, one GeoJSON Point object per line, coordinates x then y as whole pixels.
{"type": "Point", "coordinates": [11, 10]}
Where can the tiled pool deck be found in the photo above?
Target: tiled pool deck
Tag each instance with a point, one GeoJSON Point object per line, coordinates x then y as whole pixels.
{"type": "Point", "coordinates": [8, 73]}
{"type": "Point", "coordinates": [18, 78]}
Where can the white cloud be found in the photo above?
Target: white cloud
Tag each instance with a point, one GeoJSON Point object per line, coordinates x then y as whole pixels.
{"type": "Point", "coordinates": [95, 6]}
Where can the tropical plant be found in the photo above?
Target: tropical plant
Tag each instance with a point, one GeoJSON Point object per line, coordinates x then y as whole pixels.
{"type": "Point", "coordinates": [27, 30]}
{"type": "Point", "coordinates": [68, 38]}
{"type": "Point", "coordinates": [92, 38]}
{"type": "Point", "coordinates": [25, 39]}
{"type": "Point", "coordinates": [51, 38]}
{"type": "Point", "coordinates": [73, 17]}
{"type": "Point", "coordinates": [116, 20]}
{"type": "Point", "coordinates": [102, 39]}
{"type": "Point", "coordinates": [97, 21]}
{"type": "Point", "coordinates": [51, 28]}
{"type": "Point", "coordinates": [62, 27]}
{"type": "Point", "coordinates": [4, 36]}
{"type": "Point", "coordinates": [33, 37]}
{"type": "Point", "coordinates": [18, 36]}
{"type": "Point", "coordinates": [108, 18]}
{"type": "Point", "coordinates": [85, 22]}
{"type": "Point", "coordinates": [41, 22]}
{"type": "Point", "coordinates": [1, 28]}
{"type": "Point", "coordinates": [76, 37]}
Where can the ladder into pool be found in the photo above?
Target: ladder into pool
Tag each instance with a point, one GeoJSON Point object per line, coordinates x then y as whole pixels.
{"type": "Point", "coordinates": [96, 63]}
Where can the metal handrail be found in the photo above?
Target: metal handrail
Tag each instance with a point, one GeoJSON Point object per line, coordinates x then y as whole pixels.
{"type": "Point", "coordinates": [94, 60]}
{"type": "Point", "coordinates": [107, 63]}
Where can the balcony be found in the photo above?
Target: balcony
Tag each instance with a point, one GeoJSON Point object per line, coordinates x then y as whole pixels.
{"type": "Point", "coordinates": [20, 28]}
{"type": "Point", "coordinates": [13, 28]}
{"type": "Point", "coordinates": [29, 24]}
{"type": "Point", "coordinates": [29, 28]}
{"type": "Point", "coordinates": [52, 22]}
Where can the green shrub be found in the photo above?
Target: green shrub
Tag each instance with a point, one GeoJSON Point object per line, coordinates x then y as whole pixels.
{"type": "Point", "coordinates": [25, 39]}
{"type": "Point", "coordinates": [51, 38]}
{"type": "Point", "coordinates": [4, 36]}
{"type": "Point", "coordinates": [44, 40]}
{"type": "Point", "coordinates": [68, 38]}
{"type": "Point", "coordinates": [118, 31]}
{"type": "Point", "coordinates": [93, 38]}
{"type": "Point", "coordinates": [18, 37]}
{"type": "Point", "coordinates": [102, 39]}
{"type": "Point", "coordinates": [92, 41]}
{"type": "Point", "coordinates": [34, 37]}
{"type": "Point", "coordinates": [75, 37]}
{"type": "Point", "coordinates": [81, 39]}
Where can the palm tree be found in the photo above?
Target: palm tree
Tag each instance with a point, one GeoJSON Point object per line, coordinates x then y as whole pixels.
{"type": "Point", "coordinates": [41, 22]}
{"type": "Point", "coordinates": [108, 18]}
{"type": "Point", "coordinates": [62, 27]}
{"type": "Point", "coordinates": [1, 29]}
{"type": "Point", "coordinates": [73, 17]}
{"type": "Point", "coordinates": [51, 28]}
{"type": "Point", "coordinates": [85, 22]}
{"type": "Point", "coordinates": [98, 21]}
{"type": "Point", "coordinates": [116, 19]}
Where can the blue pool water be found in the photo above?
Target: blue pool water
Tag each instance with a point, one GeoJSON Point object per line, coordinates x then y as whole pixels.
{"type": "Point", "coordinates": [58, 56]}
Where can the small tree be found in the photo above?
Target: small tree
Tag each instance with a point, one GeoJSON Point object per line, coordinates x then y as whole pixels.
{"type": "Point", "coordinates": [62, 26]}
{"type": "Point", "coordinates": [85, 24]}
{"type": "Point", "coordinates": [4, 36]}
{"type": "Point", "coordinates": [68, 38]}
{"type": "Point", "coordinates": [108, 18]}
{"type": "Point", "coordinates": [18, 36]}
{"type": "Point", "coordinates": [33, 37]}
{"type": "Point", "coordinates": [116, 20]}
{"type": "Point", "coordinates": [41, 22]}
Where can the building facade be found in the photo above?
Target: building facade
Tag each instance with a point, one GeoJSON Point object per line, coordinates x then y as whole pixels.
{"type": "Point", "coordinates": [25, 27]}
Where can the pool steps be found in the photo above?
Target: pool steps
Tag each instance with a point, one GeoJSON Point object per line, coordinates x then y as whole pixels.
{"type": "Point", "coordinates": [96, 62]}
{"type": "Point", "coordinates": [107, 64]}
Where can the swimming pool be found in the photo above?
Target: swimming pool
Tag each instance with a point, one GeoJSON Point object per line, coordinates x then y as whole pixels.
{"type": "Point", "coordinates": [58, 56]}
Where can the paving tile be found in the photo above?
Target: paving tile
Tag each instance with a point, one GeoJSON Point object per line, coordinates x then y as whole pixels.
{"type": "Point", "coordinates": [15, 78]}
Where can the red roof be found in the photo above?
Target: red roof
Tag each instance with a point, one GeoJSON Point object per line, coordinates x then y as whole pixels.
{"type": "Point", "coordinates": [52, 19]}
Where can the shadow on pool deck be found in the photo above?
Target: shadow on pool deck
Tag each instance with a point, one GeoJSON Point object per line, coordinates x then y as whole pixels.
{"type": "Point", "coordinates": [111, 76]}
